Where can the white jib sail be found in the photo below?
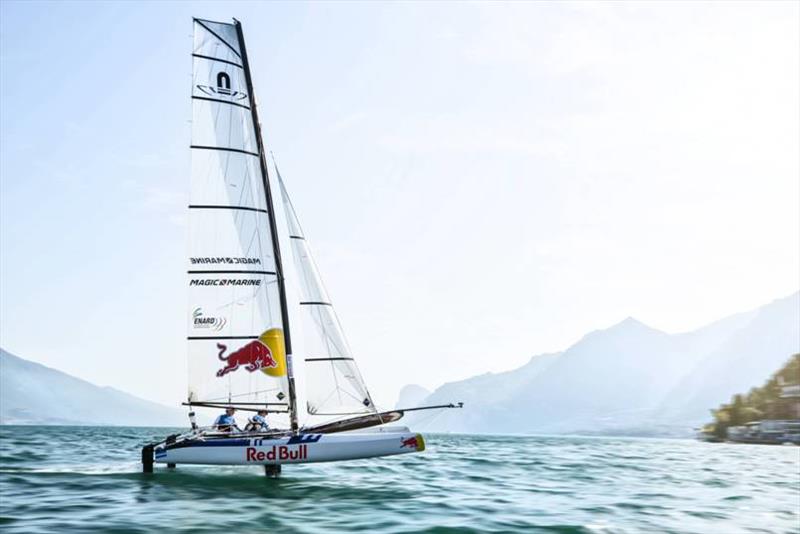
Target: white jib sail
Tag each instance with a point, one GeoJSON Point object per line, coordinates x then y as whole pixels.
{"type": "Point", "coordinates": [333, 383]}
{"type": "Point", "coordinates": [236, 344]}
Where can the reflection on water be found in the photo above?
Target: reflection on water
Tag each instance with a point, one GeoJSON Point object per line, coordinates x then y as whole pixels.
{"type": "Point", "coordinates": [77, 479]}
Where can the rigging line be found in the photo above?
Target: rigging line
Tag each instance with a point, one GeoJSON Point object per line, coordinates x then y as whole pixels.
{"type": "Point", "coordinates": [322, 403]}
{"type": "Point", "coordinates": [230, 127]}
{"type": "Point", "coordinates": [201, 56]}
{"type": "Point", "coordinates": [355, 398]}
{"type": "Point", "coordinates": [219, 100]}
{"type": "Point", "coordinates": [426, 422]}
{"type": "Point", "coordinates": [212, 32]}
{"type": "Point", "coordinates": [245, 403]}
{"type": "Point", "coordinates": [253, 235]}
{"type": "Point", "coordinates": [326, 359]}
{"type": "Point", "coordinates": [256, 234]}
{"type": "Point", "coordinates": [316, 304]}
{"type": "Point", "coordinates": [251, 188]}
{"type": "Point", "coordinates": [239, 221]}
{"type": "Point", "coordinates": [225, 399]}
{"type": "Point", "coordinates": [364, 414]}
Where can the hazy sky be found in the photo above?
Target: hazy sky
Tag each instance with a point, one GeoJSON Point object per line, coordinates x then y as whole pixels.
{"type": "Point", "coordinates": [480, 182]}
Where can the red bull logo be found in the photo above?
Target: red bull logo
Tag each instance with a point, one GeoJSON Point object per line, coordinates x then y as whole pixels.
{"type": "Point", "coordinates": [279, 452]}
{"type": "Point", "coordinates": [253, 356]}
{"type": "Point", "coordinates": [410, 442]}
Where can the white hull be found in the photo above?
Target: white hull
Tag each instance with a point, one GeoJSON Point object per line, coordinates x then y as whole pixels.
{"type": "Point", "coordinates": [305, 448]}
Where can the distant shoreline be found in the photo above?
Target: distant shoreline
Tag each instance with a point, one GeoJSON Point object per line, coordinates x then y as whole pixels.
{"type": "Point", "coordinates": [433, 432]}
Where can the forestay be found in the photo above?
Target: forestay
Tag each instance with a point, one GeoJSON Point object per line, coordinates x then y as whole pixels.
{"type": "Point", "coordinates": [333, 383]}
{"type": "Point", "coordinates": [236, 332]}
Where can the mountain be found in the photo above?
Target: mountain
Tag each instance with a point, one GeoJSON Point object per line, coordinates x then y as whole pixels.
{"type": "Point", "coordinates": [31, 393]}
{"type": "Point", "coordinates": [628, 379]}
{"type": "Point", "coordinates": [411, 396]}
{"type": "Point", "coordinates": [746, 359]}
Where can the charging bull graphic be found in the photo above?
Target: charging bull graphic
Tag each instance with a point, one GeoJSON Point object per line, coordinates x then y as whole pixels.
{"type": "Point", "coordinates": [409, 442]}
{"type": "Point", "coordinates": [266, 353]}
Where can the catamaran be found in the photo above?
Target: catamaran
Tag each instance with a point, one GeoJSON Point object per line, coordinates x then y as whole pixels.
{"type": "Point", "coordinates": [240, 349]}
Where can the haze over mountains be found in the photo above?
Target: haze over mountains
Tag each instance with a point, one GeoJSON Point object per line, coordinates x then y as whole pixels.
{"type": "Point", "coordinates": [627, 379]}
{"type": "Point", "coordinates": [31, 393]}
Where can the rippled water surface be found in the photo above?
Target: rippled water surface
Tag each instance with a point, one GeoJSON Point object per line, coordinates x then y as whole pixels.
{"type": "Point", "coordinates": [73, 479]}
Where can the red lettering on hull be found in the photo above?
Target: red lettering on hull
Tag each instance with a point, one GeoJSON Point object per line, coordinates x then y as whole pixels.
{"type": "Point", "coordinates": [281, 452]}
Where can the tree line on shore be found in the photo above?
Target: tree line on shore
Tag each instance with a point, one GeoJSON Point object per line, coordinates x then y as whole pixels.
{"type": "Point", "coordinates": [759, 403]}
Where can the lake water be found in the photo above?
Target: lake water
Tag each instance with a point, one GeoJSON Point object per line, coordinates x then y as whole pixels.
{"type": "Point", "coordinates": [78, 479]}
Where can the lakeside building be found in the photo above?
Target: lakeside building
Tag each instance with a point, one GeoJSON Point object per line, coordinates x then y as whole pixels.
{"type": "Point", "coordinates": [789, 401]}
{"type": "Point", "coordinates": [771, 431]}
{"type": "Point", "coordinates": [769, 414]}
{"type": "Point", "coordinates": [784, 428]}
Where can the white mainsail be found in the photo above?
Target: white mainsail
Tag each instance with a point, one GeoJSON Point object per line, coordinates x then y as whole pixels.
{"type": "Point", "coordinates": [333, 383]}
{"type": "Point", "coordinates": [239, 342]}
{"type": "Point", "coordinates": [236, 326]}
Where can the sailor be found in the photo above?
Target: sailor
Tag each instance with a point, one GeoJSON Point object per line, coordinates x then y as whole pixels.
{"type": "Point", "coordinates": [226, 422]}
{"type": "Point", "coordinates": [257, 423]}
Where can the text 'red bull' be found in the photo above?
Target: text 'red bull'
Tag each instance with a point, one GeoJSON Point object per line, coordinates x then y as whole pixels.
{"type": "Point", "coordinates": [253, 356]}
{"type": "Point", "coordinates": [277, 452]}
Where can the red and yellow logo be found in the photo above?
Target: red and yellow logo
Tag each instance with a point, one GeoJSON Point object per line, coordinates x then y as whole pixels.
{"type": "Point", "coordinates": [267, 353]}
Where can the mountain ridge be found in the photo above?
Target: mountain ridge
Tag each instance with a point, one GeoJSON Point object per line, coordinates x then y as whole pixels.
{"type": "Point", "coordinates": [32, 393]}
{"type": "Point", "coordinates": [628, 378]}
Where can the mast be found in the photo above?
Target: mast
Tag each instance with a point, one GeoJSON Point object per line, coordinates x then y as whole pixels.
{"type": "Point", "coordinates": [273, 231]}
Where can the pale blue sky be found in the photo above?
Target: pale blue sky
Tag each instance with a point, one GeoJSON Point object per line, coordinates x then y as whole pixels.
{"type": "Point", "coordinates": [480, 182]}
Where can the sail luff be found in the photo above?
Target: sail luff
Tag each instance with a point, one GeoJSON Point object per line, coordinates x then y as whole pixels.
{"type": "Point", "coordinates": [273, 230]}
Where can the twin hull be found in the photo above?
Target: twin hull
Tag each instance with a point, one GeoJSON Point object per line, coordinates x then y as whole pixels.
{"type": "Point", "coordinates": [304, 448]}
